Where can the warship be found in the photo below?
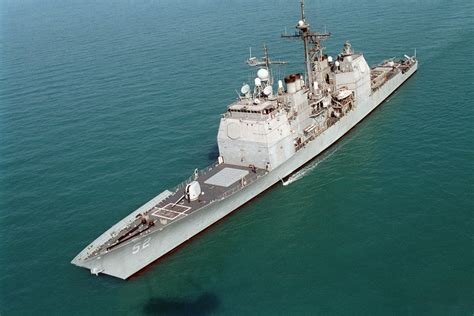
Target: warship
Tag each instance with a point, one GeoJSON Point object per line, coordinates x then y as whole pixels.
{"type": "Point", "coordinates": [264, 137]}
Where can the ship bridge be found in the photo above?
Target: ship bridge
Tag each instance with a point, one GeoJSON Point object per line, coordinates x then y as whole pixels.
{"type": "Point", "coordinates": [248, 109]}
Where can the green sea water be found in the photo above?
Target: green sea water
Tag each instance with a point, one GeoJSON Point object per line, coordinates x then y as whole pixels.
{"type": "Point", "coordinates": [104, 104]}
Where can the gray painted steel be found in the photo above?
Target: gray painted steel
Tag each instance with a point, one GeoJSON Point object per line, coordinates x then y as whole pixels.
{"type": "Point", "coordinates": [226, 177]}
{"type": "Point", "coordinates": [262, 138]}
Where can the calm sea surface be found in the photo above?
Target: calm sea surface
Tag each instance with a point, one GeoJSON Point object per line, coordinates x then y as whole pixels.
{"type": "Point", "coordinates": [104, 104]}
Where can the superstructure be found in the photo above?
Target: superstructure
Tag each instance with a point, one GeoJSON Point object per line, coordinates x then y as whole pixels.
{"type": "Point", "coordinates": [271, 130]}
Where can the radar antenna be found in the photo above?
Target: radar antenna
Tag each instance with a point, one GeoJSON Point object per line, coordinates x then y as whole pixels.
{"type": "Point", "coordinates": [313, 53]}
{"type": "Point", "coordinates": [265, 61]}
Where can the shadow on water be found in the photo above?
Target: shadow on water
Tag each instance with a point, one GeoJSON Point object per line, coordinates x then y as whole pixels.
{"type": "Point", "coordinates": [213, 153]}
{"type": "Point", "coordinates": [204, 304]}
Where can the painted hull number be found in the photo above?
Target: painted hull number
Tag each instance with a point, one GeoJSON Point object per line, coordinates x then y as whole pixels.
{"type": "Point", "coordinates": [140, 246]}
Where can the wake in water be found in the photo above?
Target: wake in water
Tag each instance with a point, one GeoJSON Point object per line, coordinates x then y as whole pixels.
{"type": "Point", "coordinates": [308, 168]}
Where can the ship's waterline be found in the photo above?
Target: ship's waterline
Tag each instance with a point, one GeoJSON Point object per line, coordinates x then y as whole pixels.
{"type": "Point", "coordinates": [173, 217]}
{"type": "Point", "coordinates": [143, 250]}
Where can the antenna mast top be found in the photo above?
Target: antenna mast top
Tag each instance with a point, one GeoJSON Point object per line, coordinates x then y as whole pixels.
{"type": "Point", "coordinates": [313, 53]}
{"type": "Point", "coordinates": [302, 9]}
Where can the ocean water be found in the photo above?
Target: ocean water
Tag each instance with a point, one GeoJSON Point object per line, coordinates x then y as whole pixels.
{"type": "Point", "coordinates": [104, 104]}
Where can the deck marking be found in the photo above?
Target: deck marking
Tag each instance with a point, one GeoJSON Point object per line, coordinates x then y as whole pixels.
{"type": "Point", "coordinates": [166, 211]}
{"type": "Point", "coordinates": [226, 177]}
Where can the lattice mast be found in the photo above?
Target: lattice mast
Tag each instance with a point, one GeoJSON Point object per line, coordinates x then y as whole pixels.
{"type": "Point", "coordinates": [313, 50]}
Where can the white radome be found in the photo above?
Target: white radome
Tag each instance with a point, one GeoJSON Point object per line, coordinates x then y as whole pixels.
{"type": "Point", "coordinates": [245, 89]}
{"type": "Point", "coordinates": [258, 82]}
{"type": "Point", "coordinates": [268, 90]}
{"type": "Point", "coordinates": [263, 74]}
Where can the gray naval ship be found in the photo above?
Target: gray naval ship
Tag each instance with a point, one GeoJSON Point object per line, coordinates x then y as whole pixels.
{"type": "Point", "coordinates": [264, 137]}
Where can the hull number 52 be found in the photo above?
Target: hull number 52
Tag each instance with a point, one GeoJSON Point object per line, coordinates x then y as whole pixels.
{"type": "Point", "coordinates": [140, 246]}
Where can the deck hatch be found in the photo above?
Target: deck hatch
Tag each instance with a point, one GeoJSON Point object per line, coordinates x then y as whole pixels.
{"type": "Point", "coordinates": [226, 177]}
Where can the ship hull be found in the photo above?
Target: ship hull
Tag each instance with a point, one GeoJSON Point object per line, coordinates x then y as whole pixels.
{"type": "Point", "coordinates": [127, 259]}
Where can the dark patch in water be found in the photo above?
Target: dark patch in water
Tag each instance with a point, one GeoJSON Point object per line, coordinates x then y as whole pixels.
{"type": "Point", "coordinates": [204, 304]}
{"type": "Point", "coordinates": [213, 153]}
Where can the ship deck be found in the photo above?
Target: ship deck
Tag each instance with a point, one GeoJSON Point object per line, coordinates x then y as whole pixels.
{"type": "Point", "coordinates": [217, 182]}
{"type": "Point", "coordinates": [385, 71]}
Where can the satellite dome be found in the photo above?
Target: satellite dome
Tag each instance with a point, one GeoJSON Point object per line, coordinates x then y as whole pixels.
{"type": "Point", "coordinates": [330, 59]}
{"type": "Point", "coordinates": [258, 82]}
{"type": "Point", "coordinates": [337, 63]}
{"type": "Point", "coordinates": [268, 90]}
{"type": "Point", "coordinates": [300, 22]}
{"type": "Point", "coordinates": [245, 89]}
{"type": "Point", "coordinates": [263, 74]}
